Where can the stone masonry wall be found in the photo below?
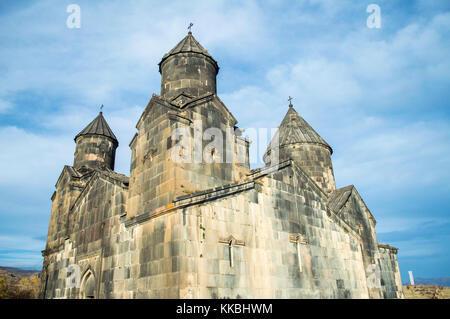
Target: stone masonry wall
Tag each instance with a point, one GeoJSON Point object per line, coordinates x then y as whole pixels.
{"type": "Point", "coordinates": [356, 215]}
{"type": "Point", "coordinates": [315, 160]}
{"type": "Point", "coordinates": [156, 178]}
{"type": "Point", "coordinates": [390, 273]}
{"type": "Point", "coordinates": [68, 188]}
{"type": "Point", "coordinates": [185, 253]}
{"type": "Point", "coordinates": [92, 240]}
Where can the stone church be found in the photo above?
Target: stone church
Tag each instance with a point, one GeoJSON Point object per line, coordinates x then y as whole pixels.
{"type": "Point", "coordinates": [187, 223]}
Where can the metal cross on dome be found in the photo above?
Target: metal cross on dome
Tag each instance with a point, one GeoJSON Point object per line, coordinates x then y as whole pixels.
{"type": "Point", "coordinates": [190, 26]}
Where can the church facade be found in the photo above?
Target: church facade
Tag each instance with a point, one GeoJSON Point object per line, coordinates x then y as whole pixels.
{"type": "Point", "coordinates": [194, 221]}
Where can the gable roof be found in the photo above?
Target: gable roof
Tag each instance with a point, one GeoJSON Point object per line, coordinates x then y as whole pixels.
{"type": "Point", "coordinates": [188, 45]}
{"type": "Point", "coordinates": [71, 171]}
{"type": "Point", "coordinates": [294, 129]}
{"type": "Point", "coordinates": [98, 126]}
{"type": "Point", "coordinates": [209, 97]}
{"type": "Point", "coordinates": [107, 175]}
{"type": "Point", "coordinates": [339, 197]}
{"type": "Point", "coordinates": [212, 97]}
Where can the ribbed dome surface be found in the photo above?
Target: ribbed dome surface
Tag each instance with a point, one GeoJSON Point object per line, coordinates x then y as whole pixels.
{"type": "Point", "coordinates": [294, 129]}
{"type": "Point", "coordinates": [188, 44]}
{"type": "Point", "coordinates": [98, 126]}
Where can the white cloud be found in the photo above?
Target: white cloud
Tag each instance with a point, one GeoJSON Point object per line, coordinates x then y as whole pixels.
{"type": "Point", "coordinates": [111, 53]}
{"type": "Point", "coordinates": [29, 159]}
{"type": "Point", "coordinates": [19, 242]}
{"type": "Point", "coordinates": [342, 91]}
{"type": "Point", "coordinates": [395, 158]}
{"type": "Point", "coordinates": [418, 248]}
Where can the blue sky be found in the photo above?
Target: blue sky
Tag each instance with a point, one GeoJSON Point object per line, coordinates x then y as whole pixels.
{"type": "Point", "coordinates": [379, 97]}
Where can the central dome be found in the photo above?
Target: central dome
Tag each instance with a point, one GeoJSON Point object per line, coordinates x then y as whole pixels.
{"type": "Point", "coordinates": [188, 68]}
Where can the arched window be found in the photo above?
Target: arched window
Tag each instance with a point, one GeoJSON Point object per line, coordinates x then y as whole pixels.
{"type": "Point", "coordinates": [88, 285]}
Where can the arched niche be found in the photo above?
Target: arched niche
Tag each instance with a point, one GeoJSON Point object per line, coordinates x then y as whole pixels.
{"type": "Point", "coordinates": [88, 285]}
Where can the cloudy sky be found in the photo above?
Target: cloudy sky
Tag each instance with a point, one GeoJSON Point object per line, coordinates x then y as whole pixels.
{"type": "Point", "coordinates": [378, 96]}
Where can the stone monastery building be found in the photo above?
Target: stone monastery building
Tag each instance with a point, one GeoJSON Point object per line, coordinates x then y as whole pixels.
{"type": "Point", "coordinates": [209, 228]}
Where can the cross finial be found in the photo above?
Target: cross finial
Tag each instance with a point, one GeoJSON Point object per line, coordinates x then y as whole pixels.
{"type": "Point", "coordinates": [290, 101]}
{"type": "Point", "coordinates": [101, 108]}
{"type": "Point", "coordinates": [190, 27]}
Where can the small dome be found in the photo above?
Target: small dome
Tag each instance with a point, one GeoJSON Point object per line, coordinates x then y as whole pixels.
{"type": "Point", "coordinates": [294, 129]}
{"type": "Point", "coordinates": [188, 45]}
{"type": "Point", "coordinates": [96, 145]}
{"type": "Point", "coordinates": [98, 126]}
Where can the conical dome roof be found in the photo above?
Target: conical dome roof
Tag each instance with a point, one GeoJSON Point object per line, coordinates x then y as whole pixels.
{"type": "Point", "coordinates": [188, 45]}
{"type": "Point", "coordinates": [98, 126]}
{"type": "Point", "coordinates": [294, 129]}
